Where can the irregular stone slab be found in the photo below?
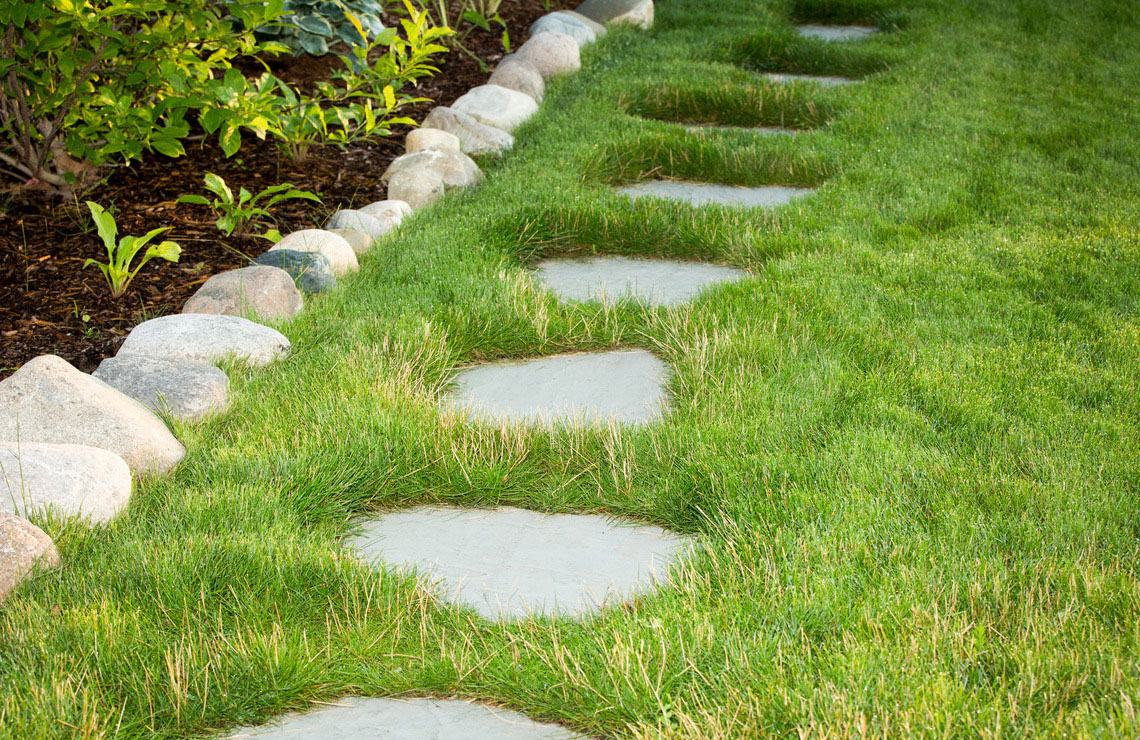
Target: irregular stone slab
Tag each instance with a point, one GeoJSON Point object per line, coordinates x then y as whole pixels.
{"type": "Point", "coordinates": [551, 54]}
{"type": "Point", "coordinates": [821, 80]}
{"type": "Point", "coordinates": [418, 187]}
{"type": "Point", "coordinates": [311, 272]}
{"type": "Point", "coordinates": [335, 249]}
{"type": "Point", "coordinates": [510, 563]}
{"type": "Point", "coordinates": [203, 337]}
{"type": "Point", "coordinates": [836, 33]}
{"type": "Point", "coordinates": [579, 27]}
{"type": "Point", "coordinates": [496, 106]}
{"type": "Point", "coordinates": [657, 282]}
{"type": "Point", "coordinates": [186, 390]}
{"type": "Point", "coordinates": [514, 73]}
{"type": "Point", "coordinates": [698, 128]}
{"type": "Point", "coordinates": [626, 386]}
{"type": "Point", "coordinates": [429, 138]}
{"type": "Point", "coordinates": [70, 480]}
{"type": "Point", "coordinates": [23, 548]}
{"type": "Point", "coordinates": [635, 12]}
{"type": "Point", "coordinates": [457, 169]}
{"type": "Point", "coordinates": [48, 401]}
{"type": "Point", "coordinates": [360, 718]}
{"type": "Point", "coordinates": [703, 194]}
{"type": "Point", "coordinates": [258, 291]}
{"type": "Point", "coordinates": [360, 242]}
{"type": "Point", "coordinates": [475, 138]}
{"type": "Point", "coordinates": [348, 218]}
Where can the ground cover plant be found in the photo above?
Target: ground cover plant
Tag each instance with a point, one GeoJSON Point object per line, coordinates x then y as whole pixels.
{"type": "Point", "coordinates": [907, 445]}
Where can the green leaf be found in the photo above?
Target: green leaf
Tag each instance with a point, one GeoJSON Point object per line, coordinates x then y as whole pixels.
{"type": "Point", "coordinates": [105, 224]}
{"type": "Point", "coordinates": [216, 185]}
{"type": "Point", "coordinates": [230, 139]}
{"type": "Point", "coordinates": [197, 200]}
{"type": "Point", "coordinates": [167, 250]}
{"type": "Point", "coordinates": [314, 24]}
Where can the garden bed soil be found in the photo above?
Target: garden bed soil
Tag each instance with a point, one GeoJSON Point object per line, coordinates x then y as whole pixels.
{"type": "Point", "coordinates": [51, 304]}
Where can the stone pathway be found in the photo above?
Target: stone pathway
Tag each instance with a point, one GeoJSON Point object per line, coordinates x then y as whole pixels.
{"type": "Point", "coordinates": [698, 128]}
{"type": "Point", "coordinates": [836, 33]}
{"type": "Point", "coordinates": [822, 80]}
{"type": "Point", "coordinates": [511, 563]}
{"type": "Point", "coordinates": [626, 386]}
{"type": "Point", "coordinates": [358, 718]}
{"type": "Point", "coordinates": [656, 282]}
{"type": "Point", "coordinates": [703, 194]}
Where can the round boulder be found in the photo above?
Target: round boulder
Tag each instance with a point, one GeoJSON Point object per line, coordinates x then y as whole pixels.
{"type": "Point", "coordinates": [310, 271]}
{"type": "Point", "coordinates": [516, 74]}
{"type": "Point", "coordinates": [418, 187]}
{"type": "Point", "coordinates": [475, 138]}
{"type": "Point", "coordinates": [634, 12]}
{"type": "Point", "coordinates": [358, 240]}
{"type": "Point", "coordinates": [496, 106]}
{"type": "Point", "coordinates": [69, 480]}
{"type": "Point", "coordinates": [206, 337]}
{"type": "Point", "coordinates": [185, 389]}
{"type": "Point", "coordinates": [349, 218]}
{"type": "Point", "coordinates": [457, 169]}
{"type": "Point", "coordinates": [579, 27]}
{"type": "Point", "coordinates": [334, 248]}
{"type": "Point", "coordinates": [389, 211]}
{"type": "Point", "coordinates": [430, 138]}
{"type": "Point", "coordinates": [23, 547]}
{"type": "Point", "coordinates": [551, 53]}
{"type": "Point", "coordinates": [258, 291]}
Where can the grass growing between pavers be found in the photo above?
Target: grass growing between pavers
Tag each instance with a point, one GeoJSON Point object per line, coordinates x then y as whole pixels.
{"type": "Point", "coordinates": [908, 443]}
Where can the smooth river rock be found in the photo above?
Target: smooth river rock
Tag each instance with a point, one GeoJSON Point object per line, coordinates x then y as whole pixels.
{"type": "Point", "coordinates": [391, 212]}
{"type": "Point", "coordinates": [456, 168]}
{"type": "Point", "coordinates": [49, 401]}
{"type": "Point", "coordinates": [185, 389]}
{"type": "Point", "coordinates": [335, 249]}
{"type": "Point", "coordinates": [70, 480]}
{"type": "Point", "coordinates": [703, 194]}
{"type": "Point", "coordinates": [509, 563]}
{"type": "Point", "coordinates": [582, 29]}
{"type": "Point", "coordinates": [311, 272]}
{"type": "Point", "coordinates": [634, 12]}
{"type": "Point", "coordinates": [551, 54]}
{"type": "Point", "coordinates": [475, 138]}
{"type": "Point", "coordinates": [430, 138]}
{"type": "Point", "coordinates": [517, 74]}
{"type": "Point", "coordinates": [349, 218]}
{"type": "Point", "coordinates": [419, 187]}
{"type": "Point", "coordinates": [496, 106]}
{"type": "Point", "coordinates": [254, 292]}
{"type": "Point", "coordinates": [24, 547]}
{"type": "Point", "coordinates": [360, 242]}
{"type": "Point", "coordinates": [208, 338]}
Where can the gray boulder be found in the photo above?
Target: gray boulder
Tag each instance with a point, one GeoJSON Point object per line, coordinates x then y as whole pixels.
{"type": "Point", "coordinates": [475, 138]}
{"type": "Point", "coordinates": [391, 212]}
{"type": "Point", "coordinates": [70, 480]}
{"type": "Point", "coordinates": [456, 168]}
{"type": "Point", "coordinates": [258, 291]}
{"type": "Point", "coordinates": [311, 272]}
{"type": "Point", "coordinates": [551, 54]}
{"type": "Point", "coordinates": [360, 242]}
{"type": "Point", "coordinates": [579, 27]}
{"type": "Point", "coordinates": [430, 138]}
{"type": "Point", "coordinates": [496, 106]}
{"type": "Point", "coordinates": [349, 218]}
{"type": "Point", "coordinates": [634, 12]}
{"type": "Point", "coordinates": [516, 74]}
{"type": "Point", "coordinates": [418, 187]}
{"type": "Point", "coordinates": [23, 548]}
{"type": "Point", "coordinates": [187, 390]}
{"type": "Point", "coordinates": [203, 337]}
{"type": "Point", "coordinates": [49, 401]}
{"type": "Point", "coordinates": [334, 248]}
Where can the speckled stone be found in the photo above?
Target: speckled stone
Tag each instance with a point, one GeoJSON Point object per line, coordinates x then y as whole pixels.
{"type": "Point", "coordinates": [656, 282]}
{"type": "Point", "coordinates": [210, 338]}
{"type": "Point", "coordinates": [23, 548]}
{"type": "Point", "coordinates": [69, 480]}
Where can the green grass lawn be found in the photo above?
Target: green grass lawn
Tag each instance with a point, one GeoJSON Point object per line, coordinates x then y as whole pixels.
{"type": "Point", "coordinates": [908, 444]}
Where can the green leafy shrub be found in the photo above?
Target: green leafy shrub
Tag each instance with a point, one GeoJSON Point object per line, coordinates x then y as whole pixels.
{"type": "Point", "coordinates": [121, 252]}
{"type": "Point", "coordinates": [311, 26]}
{"type": "Point", "coordinates": [236, 213]}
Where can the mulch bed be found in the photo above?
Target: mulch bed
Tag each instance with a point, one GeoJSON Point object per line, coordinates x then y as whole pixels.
{"type": "Point", "coordinates": [50, 304]}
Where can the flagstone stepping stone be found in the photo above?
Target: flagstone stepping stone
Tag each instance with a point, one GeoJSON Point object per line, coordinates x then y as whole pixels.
{"type": "Point", "coordinates": [49, 401]}
{"type": "Point", "coordinates": [579, 27]}
{"type": "Point", "coordinates": [366, 718]}
{"type": "Point", "coordinates": [70, 480]}
{"type": "Point", "coordinates": [703, 194]}
{"type": "Point", "coordinates": [475, 138]}
{"type": "Point", "coordinates": [635, 12]}
{"type": "Point", "coordinates": [311, 272]}
{"type": "Point", "coordinates": [360, 242]}
{"type": "Point", "coordinates": [203, 337]}
{"type": "Point", "coordinates": [551, 53]}
{"type": "Point", "coordinates": [429, 138]}
{"type": "Point", "coordinates": [509, 563]}
{"type": "Point", "coordinates": [821, 80]}
{"type": "Point", "coordinates": [698, 128]}
{"type": "Point", "coordinates": [657, 282]}
{"type": "Point", "coordinates": [626, 386]}
{"type": "Point", "coordinates": [517, 74]}
{"type": "Point", "coordinates": [185, 389]}
{"type": "Point", "coordinates": [835, 33]}
{"type": "Point", "coordinates": [23, 548]}
{"type": "Point", "coordinates": [335, 249]}
{"type": "Point", "coordinates": [257, 291]}
{"type": "Point", "coordinates": [496, 106]}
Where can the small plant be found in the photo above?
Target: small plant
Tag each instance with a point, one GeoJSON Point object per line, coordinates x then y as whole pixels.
{"type": "Point", "coordinates": [121, 252]}
{"type": "Point", "coordinates": [235, 214]}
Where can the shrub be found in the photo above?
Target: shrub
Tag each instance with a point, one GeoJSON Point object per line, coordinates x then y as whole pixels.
{"type": "Point", "coordinates": [310, 26]}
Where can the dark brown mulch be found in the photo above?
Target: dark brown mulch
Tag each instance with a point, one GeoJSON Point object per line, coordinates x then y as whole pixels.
{"type": "Point", "coordinates": [50, 304]}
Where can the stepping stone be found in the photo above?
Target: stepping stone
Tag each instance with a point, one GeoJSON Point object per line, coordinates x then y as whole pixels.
{"type": "Point", "coordinates": [257, 291]}
{"type": "Point", "coordinates": [23, 547]}
{"type": "Point", "coordinates": [475, 138]}
{"type": "Point", "coordinates": [626, 386]}
{"type": "Point", "coordinates": [48, 401]}
{"type": "Point", "coordinates": [836, 33]}
{"type": "Point", "coordinates": [311, 272]}
{"type": "Point", "coordinates": [498, 107]}
{"type": "Point", "coordinates": [698, 128]}
{"type": "Point", "coordinates": [360, 718]}
{"type": "Point", "coordinates": [822, 80]}
{"type": "Point", "coordinates": [186, 389]}
{"type": "Point", "coordinates": [71, 480]}
{"type": "Point", "coordinates": [657, 282]}
{"type": "Point", "coordinates": [511, 563]}
{"type": "Point", "coordinates": [551, 53]}
{"type": "Point", "coordinates": [703, 194]}
{"type": "Point", "coordinates": [203, 337]}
